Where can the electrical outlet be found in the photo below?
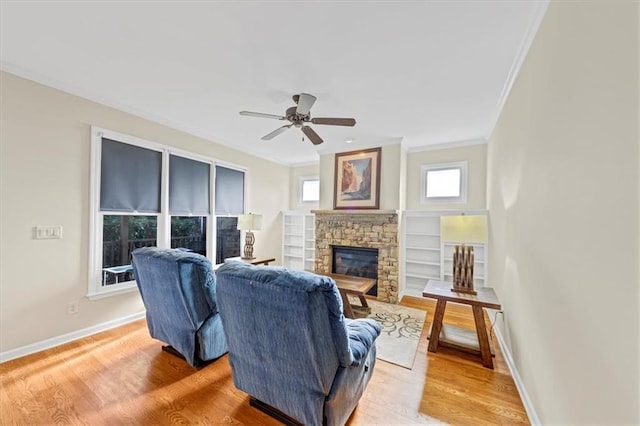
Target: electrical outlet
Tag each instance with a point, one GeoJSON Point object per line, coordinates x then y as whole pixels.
{"type": "Point", "coordinates": [47, 232]}
{"type": "Point", "coordinates": [72, 307]}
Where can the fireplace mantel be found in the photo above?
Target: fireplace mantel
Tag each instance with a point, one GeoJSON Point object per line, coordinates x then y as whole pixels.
{"type": "Point", "coordinates": [352, 212]}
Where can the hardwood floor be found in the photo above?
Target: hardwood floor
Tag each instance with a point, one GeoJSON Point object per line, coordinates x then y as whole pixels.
{"type": "Point", "coordinates": [122, 377]}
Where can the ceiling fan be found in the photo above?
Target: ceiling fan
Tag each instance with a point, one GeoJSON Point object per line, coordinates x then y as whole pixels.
{"type": "Point", "coordinates": [299, 115]}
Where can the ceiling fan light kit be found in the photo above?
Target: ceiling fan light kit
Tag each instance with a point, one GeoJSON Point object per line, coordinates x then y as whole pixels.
{"type": "Point", "coordinates": [300, 114]}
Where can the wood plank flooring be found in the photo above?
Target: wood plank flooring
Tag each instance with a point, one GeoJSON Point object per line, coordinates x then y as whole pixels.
{"type": "Point", "coordinates": [122, 377]}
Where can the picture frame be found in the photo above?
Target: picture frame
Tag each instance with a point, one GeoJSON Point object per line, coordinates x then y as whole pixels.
{"type": "Point", "coordinates": [357, 180]}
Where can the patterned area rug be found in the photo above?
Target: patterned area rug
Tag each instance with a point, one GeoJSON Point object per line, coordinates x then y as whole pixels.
{"type": "Point", "coordinates": [401, 330]}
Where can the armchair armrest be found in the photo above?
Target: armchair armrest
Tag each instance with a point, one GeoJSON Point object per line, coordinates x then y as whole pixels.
{"type": "Point", "coordinates": [362, 334]}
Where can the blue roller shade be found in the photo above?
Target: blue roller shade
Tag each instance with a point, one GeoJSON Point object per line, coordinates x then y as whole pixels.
{"type": "Point", "coordinates": [129, 178]}
{"type": "Point", "coordinates": [229, 191]}
{"type": "Point", "coordinates": [188, 187]}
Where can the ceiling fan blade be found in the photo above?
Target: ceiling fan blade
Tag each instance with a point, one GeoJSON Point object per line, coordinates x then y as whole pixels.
{"type": "Point", "coordinates": [262, 115]}
{"type": "Point", "coordinates": [305, 102]}
{"type": "Point", "coordinates": [334, 121]}
{"type": "Point", "coordinates": [275, 133]}
{"type": "Point", "coordinates": [312, 135]}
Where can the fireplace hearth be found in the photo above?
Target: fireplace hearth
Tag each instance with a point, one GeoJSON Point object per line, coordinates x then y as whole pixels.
{"type": "Point", "coordinates": [357, 262]}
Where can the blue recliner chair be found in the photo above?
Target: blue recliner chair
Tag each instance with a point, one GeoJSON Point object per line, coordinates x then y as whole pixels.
{"type": "Point", "coordinates": [290, 347]}
{"type": "Point", "coordinates": [178, 289]}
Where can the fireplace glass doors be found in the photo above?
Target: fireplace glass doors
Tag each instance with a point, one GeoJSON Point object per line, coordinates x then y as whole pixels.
{"type": "Point", "coordinates": [357, 262]}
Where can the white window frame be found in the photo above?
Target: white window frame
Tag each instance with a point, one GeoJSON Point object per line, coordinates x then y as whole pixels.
{"type": "Point", "coordinates": [301, 182]}
{"type": "Point", "coordinates": [424, 175]}
{"type": "Point", "coordinates": [215, 216]}
{"type": "Point", "coordinates": [95, 288]}
{"type": "Point", "coordinates": [210, 218]}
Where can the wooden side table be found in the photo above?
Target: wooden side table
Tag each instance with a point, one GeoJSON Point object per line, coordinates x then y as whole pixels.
{"type": "Point", "coordinates": [455, 337]}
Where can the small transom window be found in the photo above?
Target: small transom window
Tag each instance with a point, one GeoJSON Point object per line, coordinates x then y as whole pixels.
{"type": "Point", "coordinates": [309, 189]}
{"type": "Point", "coordinates": [444, 183]}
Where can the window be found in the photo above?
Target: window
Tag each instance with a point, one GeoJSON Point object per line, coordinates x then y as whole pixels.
{"type": "Point", "coordinates": [309, 189]}
{"type": "Point", "coordinates": [189, 233]}
{"type": "Point", "coordinates": [189, 203]}
{"type": "Point", "coordinates": [128, 208]}
{"type": "Point", "coordinates": [444, 183]}
{"type": "Point", "coordinates": [229, 204]}
{"type": "Point", "coordinates": [227, 238]}
{"type": "Point", "coordinates": [147, 194]}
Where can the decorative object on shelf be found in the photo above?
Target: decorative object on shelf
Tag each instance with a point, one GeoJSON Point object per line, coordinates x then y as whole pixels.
{"type": "Point", "coordinates": [463, 229]}
{"type": "Point", "coordinates": [357, 179]}
{"type": "Point", "coordinates": [249, 222]}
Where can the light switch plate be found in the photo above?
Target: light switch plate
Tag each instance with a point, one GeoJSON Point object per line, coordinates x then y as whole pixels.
{"type": "Point", "coordinates": [47, 232]}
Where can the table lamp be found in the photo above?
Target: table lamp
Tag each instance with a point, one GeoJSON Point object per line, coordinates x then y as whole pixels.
{"type": "Point", "coordinates": [249, 222]}
{"type": "Point", "coordinates": [461, 229]}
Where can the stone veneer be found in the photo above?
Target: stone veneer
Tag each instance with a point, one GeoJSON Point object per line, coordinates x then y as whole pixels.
{"type": "Point", "coordinates": [374, 229]}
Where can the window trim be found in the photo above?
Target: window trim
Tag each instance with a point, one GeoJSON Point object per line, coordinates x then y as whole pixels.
{"type": "Point", "coordinates": [214, 215]}
{"type": "Point", "coordinates": [301, 181]}
{"type": "Point", "coordinates": [95, 289]}
{"type": "Point", "coordinates": [424, 173]}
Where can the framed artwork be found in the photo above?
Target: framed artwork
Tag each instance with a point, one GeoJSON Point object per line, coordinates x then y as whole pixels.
{"type": "Point", "coordinates": [357, 180]}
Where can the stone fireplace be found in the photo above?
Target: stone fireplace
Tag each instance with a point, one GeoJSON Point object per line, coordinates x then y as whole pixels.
{"type": "Point", "coordinates": [373, 229]}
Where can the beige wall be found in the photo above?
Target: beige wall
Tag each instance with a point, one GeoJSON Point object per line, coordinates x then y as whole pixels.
{"type": "Point", "coordinates": [390, 162]}
{"type": "Point", "coordinates": [45, 144]}
{"type": "Point", "coordinates": [400, 177]}
{"type": "Point", "coordinates": [476, 158]}
{"type": "Point", "coordinates": [563, 195]}
{"type": "Point", "coordinates": [295, 173]}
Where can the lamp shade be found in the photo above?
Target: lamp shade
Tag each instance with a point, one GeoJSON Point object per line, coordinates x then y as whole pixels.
{"type": "Point", "coordinates": [249, 222]}
{"type": "Point", "coordinates": [463, 228]}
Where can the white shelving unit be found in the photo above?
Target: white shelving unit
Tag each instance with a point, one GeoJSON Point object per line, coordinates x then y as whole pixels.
{"type": "Point", "coordinates": [298, 240]}
{"type": "Point", "coordinates": [421, 250]}
{"type": "Point", "coordinates": [425, 257]}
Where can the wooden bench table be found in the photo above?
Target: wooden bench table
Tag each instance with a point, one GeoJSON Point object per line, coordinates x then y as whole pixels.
{"type": "Point", "coordinates": [357, 286]}
{"type": "Point", "coordinates": [450, 336]}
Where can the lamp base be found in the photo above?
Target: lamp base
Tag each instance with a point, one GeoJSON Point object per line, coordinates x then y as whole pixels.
{"type": "Point", "coordinates": [248, 246]}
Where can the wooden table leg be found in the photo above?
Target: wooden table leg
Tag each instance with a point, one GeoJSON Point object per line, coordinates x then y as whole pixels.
{"type": "Point", "coordinates": [436, 327]}
{"type": "Point", "coordinates": [346, 306]}
{"type": "Point", "coordinates": [483, 337]}
{"type": "Point", "coordinates": [363, 301]}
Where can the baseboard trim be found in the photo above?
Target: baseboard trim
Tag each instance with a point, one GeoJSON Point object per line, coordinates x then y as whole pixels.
{"type": "Point", "coordinates": [524, 396]}
{"type": "Point", "coordinates": [66, 338]}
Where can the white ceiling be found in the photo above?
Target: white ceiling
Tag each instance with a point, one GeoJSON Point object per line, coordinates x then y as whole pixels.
{"type": "Point", "coordinates": [411, 72]}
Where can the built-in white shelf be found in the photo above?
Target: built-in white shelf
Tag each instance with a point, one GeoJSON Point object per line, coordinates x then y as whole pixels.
{"type": "Point", "coordinates": [425, 257]}
{"type": "Point", "coordinates": [298, 240]}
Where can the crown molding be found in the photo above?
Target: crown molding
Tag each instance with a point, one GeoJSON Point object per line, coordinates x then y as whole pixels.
{"type": "Point", "coordinates": [446, 145]}
{"type": "Point", "coordinates": [534, 24]}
